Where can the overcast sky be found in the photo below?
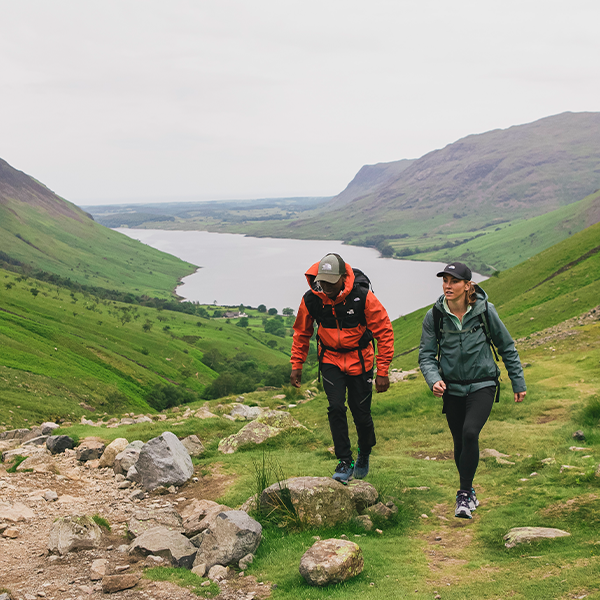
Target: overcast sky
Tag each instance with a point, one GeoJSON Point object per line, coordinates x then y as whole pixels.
{"type": "Point", "coordinates": [139, 100]}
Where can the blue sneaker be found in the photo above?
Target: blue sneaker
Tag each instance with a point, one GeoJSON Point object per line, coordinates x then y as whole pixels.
{"type": "Point", "coordinates": [473, 502]}
{"type": "Point", "coordinates": [361, 467]}
{"type": "Point", "coordinates": [344, 471]}
{"type": "Point", "coordinates": [463, 505]}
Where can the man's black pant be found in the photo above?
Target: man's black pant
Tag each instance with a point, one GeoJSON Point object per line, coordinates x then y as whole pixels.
{"type": "Point", "coordinates": [360, 391]}
{"type": "Point", "coordinates": [466, 416]}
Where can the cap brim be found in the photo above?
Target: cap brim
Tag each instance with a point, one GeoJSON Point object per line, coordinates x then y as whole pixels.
{"type": "Point", "coordinates": [327, 278]}
{"type": "Point", "coordinates": [442, 273]}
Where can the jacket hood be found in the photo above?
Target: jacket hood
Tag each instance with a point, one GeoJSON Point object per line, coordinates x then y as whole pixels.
{"type": "Point", "coordinates": [312, 273]}
{"type": "Point", "coordinates": [479, 304]}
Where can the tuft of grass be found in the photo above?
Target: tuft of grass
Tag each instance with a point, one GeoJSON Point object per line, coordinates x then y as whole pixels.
{"type": "Point", "coordinates": [17, 460]}
{"type": "Point", "coordinates": [101, 522]}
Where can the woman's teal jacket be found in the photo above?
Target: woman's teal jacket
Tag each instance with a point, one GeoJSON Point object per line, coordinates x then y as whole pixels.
{"type": "Point", "coordinates": [466, 355]}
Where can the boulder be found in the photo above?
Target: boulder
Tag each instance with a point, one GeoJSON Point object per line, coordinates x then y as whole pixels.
{"type": "Point", "coordinates": [98, 569]}
{"type": "Point", "coordinates": [15, 512]}
{"type": "Point", "coordinates": [363, 494]}
{"type": "Point", "coordinates": [204, 413]}
{"type": "Point", "coordinates": [520, 535]}
{"type": "Point", "coordinates": [164, 461]}
{"type": "Point", "coordinates": [127, 458]}
{"type": "Point", "coordinates": [145, 519]}
{"type": "Point", "coordinates": [246, 413]}
{"type": "Point", "coordinates": [59, 443]}
{"type": "Point", "coordinates": [331, 561]}
{"type": "Point", "coordinates": [381, 511]}
{"type": "Point", "coordinates": [39, 440]}
{"type": "Point", "coordinates": [318, 501]}
{"type": "Point", "coordinates": [110, 452]}
{"type": "Point", "coordinates": [9, 455]}
{"type": "Point", "coordinates": [201, 517]}
{"type": "Point", "coordinates": [193, 445]}
{"type": "Point", "coordinates": [365, 522]}
{"type": "Point", "coordinates": [122, 581]}
{"type": "Point", "coordinates": [232, 536]}
{"type": "Point", "coordinates": [48, 427]}
{"type": "Point", "coordinates": [14, 434]}
{"type": "Point", "coordinates": [39, 463]}
{"type": "Point", "coordinates": [254, 433]}
{"type": "Point", "coordinates": [90, 450]}
{"type": "Point", "coordinates": [172, 546]}
{"type": "Point", "coordinates": [73, 533]}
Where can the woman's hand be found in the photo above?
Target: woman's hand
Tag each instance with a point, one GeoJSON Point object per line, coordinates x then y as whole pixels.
{"type": "Point", "coordinates": [438, 389]}
{"type": "Point", "coordinates": [519, 396]}
{"type": "Point", "coordinates": [296, 377]}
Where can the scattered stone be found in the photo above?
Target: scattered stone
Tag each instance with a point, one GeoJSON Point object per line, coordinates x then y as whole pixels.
{"type": "Point", "coordinates": [57, 444]}
{"type": "Point", "coordinates": [548, 461]}
{"type": "Point", "coordinates": [502, 461]}
{"type": "Point", "coordinates": [199, 570]}
{"type": "Point", "coordinates": [110, 453]}
{"type": "Point", "coordinates": [98, 569]}
{"type": "Point", "coordinates": [40, 440]}
{"type": "Point", "coordinates": [124, 485]}
{"type": "Point", "coordinates": [171, 545]}
{"type": "Point", "coordinates": [246, 413]}
{"type": "Point", "coordinates": [204, 413]}
{"type": "Point", "coordinates": [193, 445]}
{"type": "Point", "coordinates": [73, 533]}
{"type": "Point", "coordinates": [15, 512]}
{"type": "Point", "coordinates": [490, 452]}
{"type": "Point", "coordinates": [232, 536]}
{"type": "Point", "coordinates": [381, 511]}
{"type": "Point", "coordinates": [11, 533]}
{"type": "Point", "coordinates": [363, 494]}
{"type": "Point", "coordinates": [143, 520]}
{"type": "Point", "coordinates": [137, 495]}
{"type": "Point", "coordinates": [218, 573]}
{"type": "Point", "coordinates": [39, 463]}
{"type": "Point", "coordinates": [116, 583]}
{"type": "Point", "coordinates": [125, 459]}
{"type": "Point", "coordinates": [365, 522]}
{"type": "Point", "coordinates": [318, 501]}
{"type": "Point", "coordinates": [579, 435]}
{"type": "Point", "coordinates": [50, 496]}
{"type": "Point", "coordinates": [381, 532]}
{"type": "Point", "coordinates": [200, 515]}
{"type": "Point", "coordinates": [90, 449]}
{"type": "Point", "coordinates": [331, 561]}
{"type": "Point", "coordinates": [14, 434]}
{"type": "Point", "coordinates": [164, 461]}
{"type": "Point", "coordinates": [244, 562]}
{"type": "Point", "coordinates": [577, 449]}
{"type": "Point", "coordinates": [520, 535]}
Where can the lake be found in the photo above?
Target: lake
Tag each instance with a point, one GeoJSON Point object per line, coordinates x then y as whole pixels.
{"type": "Point", "coordinates": [236, 269]}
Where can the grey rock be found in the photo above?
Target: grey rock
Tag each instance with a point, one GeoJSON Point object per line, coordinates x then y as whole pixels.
{"type": "Point", "coordinates": [5, 596]}
{"type": "Point", "coordinates": [40, 440]}
{"type": "Point", "coordinates": [193, 445]}
{"type": "Point", "coordinates": [331, 561]}
{"type": "Point", "coordinates": [41, 462]}
{"type": "Point", "coordinates": [381, 510]}
{"type": "Point", "coordinates": [172, 546]}
{"type": "Point", "coordinates": [247, 560]}
{"type": "Point", "coordinates": [133, 475]}
{"type": "Point", "coordinates": [520, 535]}
{"type": "Point", "coordinates": [579, 435]}
{"type": "Point", "coordinates": [137, 495]}
{"type": "Point", "coordinates": [50, 496]}
{"type": "Point", "coordinates": [98, 569]}
{"type": "Point", "coordinates": [145, 519]}
{"type": "Point", "coordinates": [14, 434]}
{"type": "Point", "coordinates": [73, 533]}
{"type": "Point", "coordinates": [89, 450]}
{"type": "Point", "coordinates": [318, 501]}
{"type": "Point", "coordinates": [59, 443]}
{"type": "Point", "coordinates": [363, 494]}
{"type": "Point", "coordinates": [232, 536]}
{"type": "Point", "coordinates": [110, 452]}
{"type": "Point", "coordinates": [164, 462]}
{"type": "Point", "coordinates": [200, 516]}
{"type": "Point", "coordinates": [127, 458]}
{"type": "Point", "coordinates": [218, 573]}
{"type": "Point", "coordinates": [246, 413]}
{"type": "Point", "coordinates": [48, 427]}
{"type": "Point", "coordinates": [365, 522]}
{"type": "Point", "coordinates": [199, 570]}
{"type": "Point", "coordinates": [116, 583]}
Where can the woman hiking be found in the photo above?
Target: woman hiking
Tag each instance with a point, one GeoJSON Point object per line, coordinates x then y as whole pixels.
{"type": "Point", "coordinates": [455, 356]}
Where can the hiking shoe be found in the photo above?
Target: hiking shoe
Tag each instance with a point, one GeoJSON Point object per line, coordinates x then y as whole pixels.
{"type": "Point", "coordinates": [344, 471]}
{"type": "Point", "coordinates": [473, 502]}
{"type": "Point", "coordinates": [361, 467]}
{"type": "Point", "coordinates": [463, 508]}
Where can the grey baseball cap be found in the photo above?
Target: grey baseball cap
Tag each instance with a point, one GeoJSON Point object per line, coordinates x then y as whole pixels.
{"type": "Point", "coordinates": [458, 270]}
{"type": "Point", "coordinates": [331, 268]}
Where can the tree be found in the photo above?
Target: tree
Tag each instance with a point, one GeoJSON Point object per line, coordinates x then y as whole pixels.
{"type": "Point", "coordinates": [275, 327]}
{"type": "Point", "coordinates": [34, 292]}
{"type": "Point", "coordinates": [147, 326]}
{"type": "Point", "coordinates": [243, 322]}
{"type": "Point", "coordinates": [272, 311]}
{"type": "Point", "coordinates": [288, 312]}
{"type": "Point", "coordinates": [262, 308]}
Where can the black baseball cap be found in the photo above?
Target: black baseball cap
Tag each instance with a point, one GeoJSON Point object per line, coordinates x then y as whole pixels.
{"type": "Point", "coordinates": [458, 270]}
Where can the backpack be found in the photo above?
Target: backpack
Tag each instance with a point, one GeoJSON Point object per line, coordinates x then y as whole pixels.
{"type": "Point", "coordinates": [362, 286]}
{"type": "Point", "coordinates": [438, 317]}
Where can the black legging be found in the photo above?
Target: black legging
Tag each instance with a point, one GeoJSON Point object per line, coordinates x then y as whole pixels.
{"type": "Point", "coordinates": [466, 416]}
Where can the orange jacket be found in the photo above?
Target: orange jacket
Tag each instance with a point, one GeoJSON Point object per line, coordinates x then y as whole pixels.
{"type": "Point", "coordinates": [377, 321]}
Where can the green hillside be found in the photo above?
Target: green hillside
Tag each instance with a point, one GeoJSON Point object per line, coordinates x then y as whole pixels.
{"type": "Point", "coordinates": [60, 350]}
{"type": "Point", "coordinates": [556, 284]}
{"type": "Point", "coordinates": [41, 231]}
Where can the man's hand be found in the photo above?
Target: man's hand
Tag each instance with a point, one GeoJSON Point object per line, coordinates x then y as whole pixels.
{"type": "Point", "coordinates": [382, 383]}
{"type": "Point", "coordinates": [296, 377]}
{"type": "Point", "coordinates": [438, 389]}
{"type": "Point", "coordinates": [519, 396]}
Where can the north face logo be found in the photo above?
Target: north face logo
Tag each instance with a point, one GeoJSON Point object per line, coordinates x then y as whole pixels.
{"type": "Point", "coordinates": [350, 312]}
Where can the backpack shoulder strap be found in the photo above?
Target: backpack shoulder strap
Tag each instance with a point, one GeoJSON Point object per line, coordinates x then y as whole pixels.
{"type": "Point", "coordinates": [485, 325]}
{"type": "Point", "coordinates": [437, 327]}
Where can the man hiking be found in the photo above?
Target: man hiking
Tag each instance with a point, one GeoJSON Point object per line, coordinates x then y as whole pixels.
{"type": "Point", "coordinates": [348, 316]}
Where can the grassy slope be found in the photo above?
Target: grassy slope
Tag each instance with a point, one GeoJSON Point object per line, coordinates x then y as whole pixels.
{"type": "Point", "coordinates": [520, 240]}
{"type": "Point", "coordinates": [470, 560]}
{"type": "Point", "coordinates": [44, 231]}
{"type": "Point", "coordinates": [523, 307]}
{"type": "Point", "coordinates": [58, 350]}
